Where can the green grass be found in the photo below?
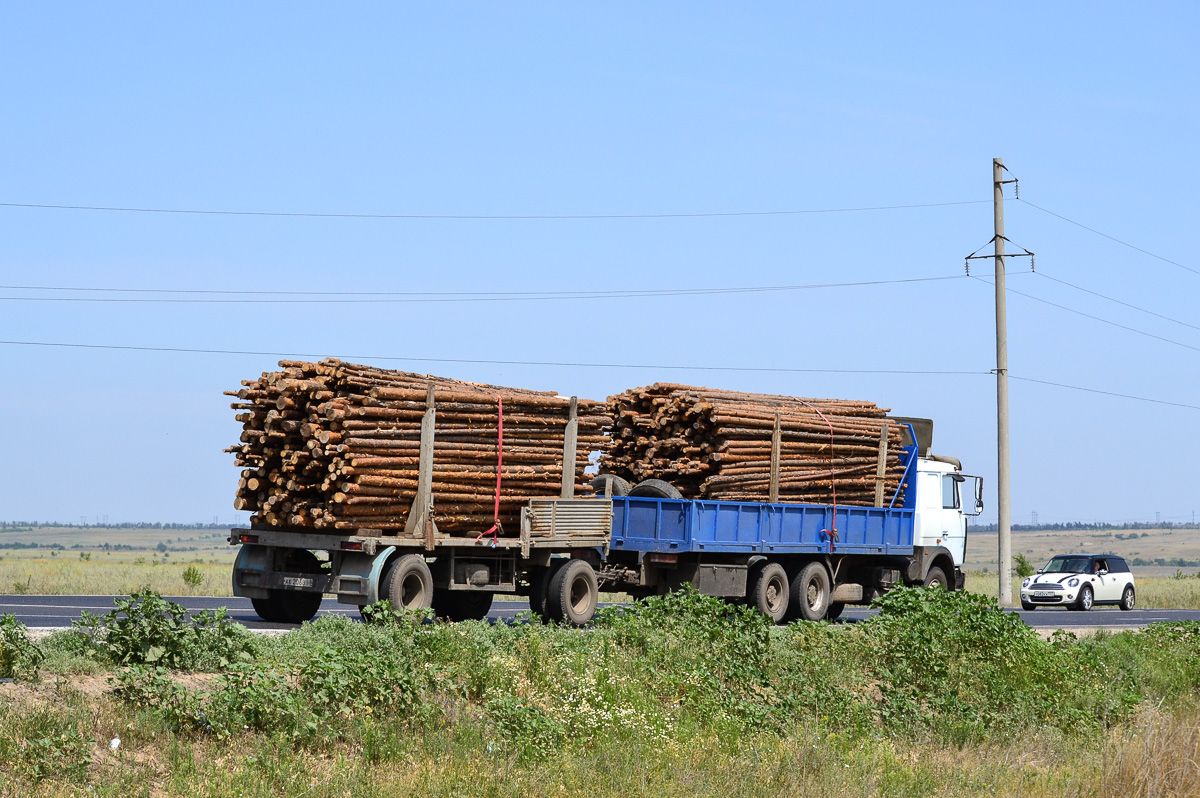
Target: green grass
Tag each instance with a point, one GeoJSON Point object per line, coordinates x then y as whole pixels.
{"type": "Point", "coordinates": [676, 695]}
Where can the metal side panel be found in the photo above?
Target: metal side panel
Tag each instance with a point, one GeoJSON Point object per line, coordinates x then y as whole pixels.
{"type": "Point", "coordinates": [570, 518]}
{"type": "Point", "coordinates": [357, 579]}
{"type": "Point", "coordinates": [250, 568]}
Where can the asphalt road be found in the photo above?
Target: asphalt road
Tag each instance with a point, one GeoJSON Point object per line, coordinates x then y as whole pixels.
{"type": "Point", "coordinates": [59, 611]}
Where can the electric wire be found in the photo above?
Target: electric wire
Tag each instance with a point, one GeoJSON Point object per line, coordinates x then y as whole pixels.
{"type": "Point", "coordinates": [1110, 238]}
{"type": "Point", "coordinates": [494, 217]}
{"type": "Point", "coordinates": [476, 361]}
{"type": "Point", "coordinates": [397, 297]}
{"type": "Point", "coordinates": [1120, 302]}
{"type": "Point", "coordinates": [1105, 393]}
{"type": "Point", "coordinates": [1094, 318]}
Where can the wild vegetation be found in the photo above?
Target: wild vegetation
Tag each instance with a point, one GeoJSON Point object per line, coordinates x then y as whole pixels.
{"type": "Point", "coordinates": [680, 694]}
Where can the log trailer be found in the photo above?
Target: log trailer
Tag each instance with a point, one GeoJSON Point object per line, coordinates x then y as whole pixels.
{"type": "Point", "coordinates": [791, 561]}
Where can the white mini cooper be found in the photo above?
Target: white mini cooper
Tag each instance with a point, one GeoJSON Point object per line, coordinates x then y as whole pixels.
{"type": "Point", "coordinates": [1079, 582]}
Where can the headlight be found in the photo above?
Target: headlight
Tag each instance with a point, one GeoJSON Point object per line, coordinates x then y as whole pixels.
{"type": "Point", "coordinates": [1073, 581]}
{"type": "Point", "coordinates": [1026, 582]}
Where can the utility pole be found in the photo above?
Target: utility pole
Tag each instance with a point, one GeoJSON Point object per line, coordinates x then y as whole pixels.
{"type": "Point", "coordinates": [1002, 486]}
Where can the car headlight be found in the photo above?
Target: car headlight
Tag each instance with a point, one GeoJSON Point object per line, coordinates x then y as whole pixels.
{"type": "Point", "coordinates": [1073, 581]}
{"type": "Point", "coordinates": [1026, 582]}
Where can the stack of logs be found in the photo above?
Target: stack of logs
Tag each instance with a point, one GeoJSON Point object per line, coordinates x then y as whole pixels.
{"type": "Point", "coordinates": [336, 446]}
{"type": "Point", "coordinates": [718, 445]}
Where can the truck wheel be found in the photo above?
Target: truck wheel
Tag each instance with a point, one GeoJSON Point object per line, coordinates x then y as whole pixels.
{"type": "Point", "coordinates": [573, 593]}
{"type": "Point", "coordinates": [292, 606]}
{"type": "Point", "coordinates": [619, 486]}
{"type": "Point", "coordinates": [408, 584]}
{"type": "Point", "coordinates": [461, 605]}
{"type": "Point", "coordinates": [655, 489]}
{"type": "Point", "coordinates": [835, 610]}
{"type": "Point", "coordinates": [809, 593]}
{"type": "Point", "coordinates": [539, 586]}
{"type": "Point", "coordinates": [937, 578]}
{"type": "Point", "coordinates": [268, 608]}
{"type": "Point", "coordinates": [769, 591]}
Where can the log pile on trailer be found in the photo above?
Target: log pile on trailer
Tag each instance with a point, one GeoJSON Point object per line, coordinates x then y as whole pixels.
{"type": "Point", "coordinates": [722, 445]}
{"type": "Point", "coordinates": [336, 447]}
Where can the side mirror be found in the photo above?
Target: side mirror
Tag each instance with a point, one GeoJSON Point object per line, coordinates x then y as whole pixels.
{"type": "Point", "coordinates": [1041, 570]}
{"type": "Point", "coordinates": [1102, 572]}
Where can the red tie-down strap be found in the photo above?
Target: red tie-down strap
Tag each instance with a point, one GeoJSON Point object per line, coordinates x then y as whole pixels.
{"type": "Point", "coordinates": [832, 532]}
{"type": "Point", "coordinates": [495, 530]}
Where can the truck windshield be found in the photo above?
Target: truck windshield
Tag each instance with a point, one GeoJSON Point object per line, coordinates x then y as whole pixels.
{"type": "Point", "coordinates": [1074, 565]}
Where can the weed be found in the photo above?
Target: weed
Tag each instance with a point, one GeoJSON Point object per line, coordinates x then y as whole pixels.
{"type": "Point", "coordinates": [192, 577]}
{"type": "Point", "coordinates": [146, 629]}
{"type": "Point", "coordinates": [19, 657]}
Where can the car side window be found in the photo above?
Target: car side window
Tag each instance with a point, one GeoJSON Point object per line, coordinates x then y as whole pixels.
{"type": "Point", "coordinates": [1117, 565]}
{"type": "Point", "coordinates": [949, 493]}
{"type": "Point", "coordinates": [1100, 565]}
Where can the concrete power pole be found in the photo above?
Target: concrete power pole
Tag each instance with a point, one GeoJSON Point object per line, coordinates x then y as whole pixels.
{"type": "Point", "coordinates": [1002, 485]}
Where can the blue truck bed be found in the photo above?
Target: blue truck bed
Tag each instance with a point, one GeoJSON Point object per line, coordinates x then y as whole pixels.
{"type": "Point", "coordinates": [682, 525]}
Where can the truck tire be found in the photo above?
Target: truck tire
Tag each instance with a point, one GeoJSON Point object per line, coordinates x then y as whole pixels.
{"type": "Point", "coordinates": [809, 593]}
{"type": "Point", "coordinates": [462, 605]}
{"type": "Point", "coordinates": [539, 587]}
{"type": "Point", "coordinates": [835, 610]}
{"type": "Point", "coordinates": [937, 578]}
{"type": "Point", "coordinates": [769, 591]}
{"type": "Point", "coordinates": [574, 593]}
{"type": "Point", "coordinates": [619, 486]}
{"type": "Point", "coordinates": [268, 608]}
{"type": "Point", "coordinates": [408, 584]}
{"type": "Point", "coordinates": [292, 606]}
{"type": "Point", "coordinates": [655, 489]}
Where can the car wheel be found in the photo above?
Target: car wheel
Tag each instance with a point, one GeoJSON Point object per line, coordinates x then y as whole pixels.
{"type": "Point", "coordinates": [1085, 599]}
{"type": "Point", "coordinates": [1025, 605]}
{"type": "Point", "coordinates": [1128, 598]}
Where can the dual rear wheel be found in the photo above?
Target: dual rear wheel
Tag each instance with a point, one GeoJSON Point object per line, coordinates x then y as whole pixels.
{"type": "Point", "coordinates": [566, 591]}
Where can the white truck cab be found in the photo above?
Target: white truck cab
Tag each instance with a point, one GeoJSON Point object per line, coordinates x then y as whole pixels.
{"type": "Point", "coordinates": [941, 517]}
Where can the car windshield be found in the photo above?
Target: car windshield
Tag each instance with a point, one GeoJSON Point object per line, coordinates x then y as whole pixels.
{"type": "Point", "coordinates": [1075, 565]}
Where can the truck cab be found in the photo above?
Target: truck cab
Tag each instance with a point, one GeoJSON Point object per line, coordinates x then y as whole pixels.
{"type": "Point", "coordinates": [945, 497]}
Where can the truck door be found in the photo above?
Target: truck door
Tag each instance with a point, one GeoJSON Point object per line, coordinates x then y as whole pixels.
{"type": "Point", "coordinates": [954, 524]}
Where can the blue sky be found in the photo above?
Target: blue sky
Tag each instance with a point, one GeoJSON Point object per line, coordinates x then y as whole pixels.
{"type": "Point", "coordinates": [573, 109]}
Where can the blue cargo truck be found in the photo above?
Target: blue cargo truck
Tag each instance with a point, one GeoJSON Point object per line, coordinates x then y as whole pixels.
{"type": "Point", "coordinates": [791, 561]}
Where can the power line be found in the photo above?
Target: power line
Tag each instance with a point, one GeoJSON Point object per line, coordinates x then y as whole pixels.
{"type": "Point", "coordinates": [1119, 302]}
{"type": "Point", "coordinates": [1105, 393]}
{"type": "Point", "coordinates": [398, 297]}
{"type": "Point", "coordinates": [1095, 318]}
{"type": "Point", "coordinates": [112, 347]}
{"type": "Point", "coordinates": [496, 217]}
{"type": "Point", "coordinates": [1110, 238]}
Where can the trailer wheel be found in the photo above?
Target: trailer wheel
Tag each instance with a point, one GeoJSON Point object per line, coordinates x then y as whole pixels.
{"type": "Point", "coordinates": [268, 608]}
{"type": "Point", "coordinates": [408, 584]}
{"type": "Point", "coordinates": [656, 489]}
{"type": "Point", "coordinates": [809, 591]}
{"type": "Point", "coordinates": [835, 610]}
{"type": "Point", "coordinates": [619, 486]}
{"type": "Point", "coordinates": [574, 593]}
{"type": "Point", "coordinates": [769, 591]}
{"type": "Point", "coordinates": [461, 605]}
{"type": "Point", "coordinates": [292, 606]}
{"type": "Point", "coordinates": [539, 587]}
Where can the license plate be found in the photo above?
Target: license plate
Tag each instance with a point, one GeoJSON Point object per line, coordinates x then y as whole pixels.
{"type": "Point", "coordinates": [1043, 594]}
{"type": "Point", "coordinates": [297, 581]}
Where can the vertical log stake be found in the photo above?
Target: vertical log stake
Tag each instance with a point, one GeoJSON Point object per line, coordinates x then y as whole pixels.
{"type": "Point", "coordinates": [420, 517]}
{"type": "Point", "coordinates": [569, 450]}
{"type": "Point", "coordinates": [776, 444]}
{"type": "Point", "coordinates": [881, 465]}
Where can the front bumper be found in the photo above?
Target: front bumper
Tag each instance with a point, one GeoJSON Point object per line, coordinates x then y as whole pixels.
{"type": "Point", "coordinates": [1047, 596]}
